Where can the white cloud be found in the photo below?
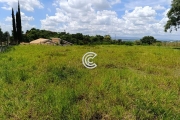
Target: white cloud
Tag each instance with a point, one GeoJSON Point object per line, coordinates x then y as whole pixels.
{"type": "Point", "coordinates": [89, 20]}
{"type": "Point", "coordinates": [138, 20]}
{"type": "Point", "coordinates": [100, 4]}
{"type": "Point", "coordinates": [130, 5]}
{"type": "Point", "coordinates": [142, 21]}
{"type": "Point", "coordinates": [27, 26]}
{"type": "Point", "coordinates": [26, 18]}
{"type": "Point", "coordinates": [23, 18]}
{"type": "Point", "coordinates": [141, 12]}
{"type": "Point", "coordinates": [5, 27]}
{"type": "Point", "coordinates": [25, 22]}
{"type": "Point", "coordinates": [8, 19]}
{"type": "Point", "coordinates": [159, 7]}
{"type": "Point", "coordinates": [27, 5]}
{"type": "Point", "coordinates": [113, 2]}
{"type": "Point", "coordinates": [85, 4]}
{"type": "Point", "coordinates": [79, 14]}
{"type": "Point", "coordinates": [6, 8]}
{"type": "Point", "coordinates": [165, 12]}
{"type": "Point", "coordinates": [54, 21]}
{"type": "Point", "coordinates": [49, 9]}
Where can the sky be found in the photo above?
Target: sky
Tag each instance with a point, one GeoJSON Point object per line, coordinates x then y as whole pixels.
{"type": "Point", "coordinates": [118, 18]}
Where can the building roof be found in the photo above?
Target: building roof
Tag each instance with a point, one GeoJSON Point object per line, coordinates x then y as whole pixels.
{"type": "Point", "coordinates": [40, 40]}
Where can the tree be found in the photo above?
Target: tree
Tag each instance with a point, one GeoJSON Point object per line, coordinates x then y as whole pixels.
{"type": "Point", "coordinates": [14, 32]}
{"type": "Point", "coordinates": [1, 36]}
{"type": "Point", "coordinates": [17, 27]}
{"type": "Point", "coordinates": [61, 42]}
{"type": "Point", "coordinates": [174, 16]}
{"type": "Point", "coordinates": [119, 41]}
{"type": "Point", "coordinates": [137, 42]}
{"type": "Point", "coordinates": [6, 37]}
{"type": "Point", "coordinates": [148, 40]}
{"type": "Point", "coordinates": [79, 36]}
{"type": "Point", "coordinates": [18, 32]}
{"type": "Point", "coordinates": [86, 39]}
{"type": "Point", "coordinates": [19, 24]}
{"type": "Point", "coordinates": [107, 38]}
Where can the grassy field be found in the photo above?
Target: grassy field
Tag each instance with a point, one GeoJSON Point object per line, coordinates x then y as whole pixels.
{"type": "Point", "coordinates": [50, 82]}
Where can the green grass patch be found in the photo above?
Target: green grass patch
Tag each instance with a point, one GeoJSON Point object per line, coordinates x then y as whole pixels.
{"type": "Point", "coordinates": [50, 82]}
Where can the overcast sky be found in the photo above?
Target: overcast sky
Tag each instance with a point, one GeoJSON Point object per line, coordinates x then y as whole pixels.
{"type": "Point", "coordinates": [120, 18]}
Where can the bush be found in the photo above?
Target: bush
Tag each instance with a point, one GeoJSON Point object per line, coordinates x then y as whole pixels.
{"type": "Point", "coordinates": [137, 42]}
{"type": "Point", "coordinates": [158, 43]}
{"type": "Point", "coordinates": [129, 43]}
{"type": "Point", "coordinates": [148, 40]}
{"type": "Point", "coordinates": [119, 42]}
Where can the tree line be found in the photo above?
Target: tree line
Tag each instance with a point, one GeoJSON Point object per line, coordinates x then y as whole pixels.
{"type": "Point", "coordinates": [4, 38]}
{"type": "Point", "coordinates": [80, 39]}
{"type": "Point", "coordinates": [77, 38]}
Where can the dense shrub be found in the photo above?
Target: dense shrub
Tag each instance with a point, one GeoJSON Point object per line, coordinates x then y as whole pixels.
{"type": "Point", "coordinates": [137, 42]}
{"type": "Point", "coordinates": [129, 43]}
{"type": "Point", "coordinates": [148, 40]}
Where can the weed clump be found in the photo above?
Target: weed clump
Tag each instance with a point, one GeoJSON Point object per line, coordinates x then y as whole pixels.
{"type": "Point", "coordinates": [62, 73]}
